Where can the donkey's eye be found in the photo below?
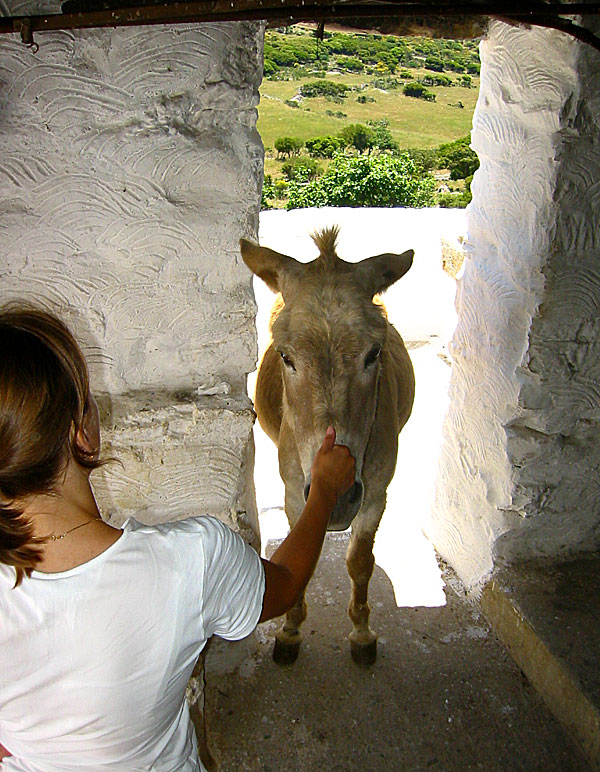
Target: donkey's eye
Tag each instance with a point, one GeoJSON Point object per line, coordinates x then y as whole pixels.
{"type": "Point", "coordinates": [287, 361]}
{"type": "Point", "coordinates": [372, 356]}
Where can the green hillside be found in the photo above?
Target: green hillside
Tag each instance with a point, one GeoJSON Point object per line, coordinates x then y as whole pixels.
{"type": "Point", "coordinates": [413, 122]}
{"type": "Point", "coordinates": [357, 78]}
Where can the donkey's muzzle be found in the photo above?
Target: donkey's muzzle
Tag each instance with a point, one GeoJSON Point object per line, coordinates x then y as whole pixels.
{"type": "Point", "coordinates": [346, 508]}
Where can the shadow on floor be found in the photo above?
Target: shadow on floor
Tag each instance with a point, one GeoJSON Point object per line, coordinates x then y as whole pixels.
{"type": "Point", "coordinates": [443, 696]}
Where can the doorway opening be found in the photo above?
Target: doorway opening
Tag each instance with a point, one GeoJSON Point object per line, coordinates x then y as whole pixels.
{"type": "Point", "coordinates": [421, 307]}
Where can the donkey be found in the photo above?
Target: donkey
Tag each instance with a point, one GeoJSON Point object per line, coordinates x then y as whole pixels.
{"type": "Point", "coordinates": [334, 359]}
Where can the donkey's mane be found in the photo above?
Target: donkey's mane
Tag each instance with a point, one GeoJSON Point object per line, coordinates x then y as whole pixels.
{"type": "Point", "coordinates": [326, 241]}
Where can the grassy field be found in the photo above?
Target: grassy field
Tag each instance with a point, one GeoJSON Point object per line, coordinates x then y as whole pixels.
{"type": "Point", "coordinates": [413, 122]}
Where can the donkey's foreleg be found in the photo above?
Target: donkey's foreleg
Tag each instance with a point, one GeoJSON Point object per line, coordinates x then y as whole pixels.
{"type": "Point", "coordinates": [289, 637]}
{"type": "Point", "coordinates": [360, 562]}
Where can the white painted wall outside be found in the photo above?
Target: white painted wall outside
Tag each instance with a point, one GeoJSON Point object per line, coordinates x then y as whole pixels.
{"type": "Point", "coordinates": [130, 167]}
{"type": "Point", "coordinates": [520, 458]}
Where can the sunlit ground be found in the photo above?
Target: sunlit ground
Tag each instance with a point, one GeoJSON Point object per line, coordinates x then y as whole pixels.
{"type": "Point", "coordinates": [421, 306]}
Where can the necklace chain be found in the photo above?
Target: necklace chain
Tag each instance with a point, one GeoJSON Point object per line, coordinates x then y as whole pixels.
{"type": "Point", "coordinates": [62, 535]}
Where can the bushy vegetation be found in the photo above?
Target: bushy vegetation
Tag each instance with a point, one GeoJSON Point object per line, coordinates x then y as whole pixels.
{"type": "Point", "coordinates": [288, 146]}
{"type": "Point", "coordinates": [291, 48]}
{"type": "Point", "coordinates": [354, 157]}
{"type": "Point", "coordinates": [381, 181]}
{"type": "Point", "coordinates": [324, 88]}
{"type": "Point", "coordinates": [368, 169]}
{"type": "Point", "coordinates": [324, 147]}
{"type": "Point", "coordinates": [419, 91]}
{"type": "Point", "coordinates": [458, 158]}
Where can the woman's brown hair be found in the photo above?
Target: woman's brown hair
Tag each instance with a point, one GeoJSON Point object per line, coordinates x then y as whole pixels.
{"type": "Point", "coordinates": [44, 390]}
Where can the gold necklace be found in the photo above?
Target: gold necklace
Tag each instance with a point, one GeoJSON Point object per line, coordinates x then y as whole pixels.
{"type": "Point", "coordinates": [62, 535]}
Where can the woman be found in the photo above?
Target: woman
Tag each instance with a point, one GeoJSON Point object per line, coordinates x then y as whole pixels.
{"type": "Point", "coordinates": [100, 627]}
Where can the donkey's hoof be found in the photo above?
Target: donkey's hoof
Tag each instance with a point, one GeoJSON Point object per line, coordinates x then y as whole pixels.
{"type": "Point", "coordinates": [285, 653]}
{"type": "Point", "coordinates": [364, 655]}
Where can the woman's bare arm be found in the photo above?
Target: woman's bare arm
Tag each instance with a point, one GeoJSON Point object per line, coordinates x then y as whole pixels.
{"type": "Point", "coordinates": [292, 564]}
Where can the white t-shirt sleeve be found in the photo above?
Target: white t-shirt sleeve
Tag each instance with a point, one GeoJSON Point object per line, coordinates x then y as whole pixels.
{"type": "Point", "coordinates": [234, 584]}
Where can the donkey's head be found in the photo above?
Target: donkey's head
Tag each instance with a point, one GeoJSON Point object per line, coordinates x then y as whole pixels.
{"type": "Point", "coordinates": [331, 336]}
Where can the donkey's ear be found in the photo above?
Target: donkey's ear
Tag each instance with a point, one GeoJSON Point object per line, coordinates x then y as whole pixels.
{"type": "Point", "coordinates": [268, 265]}
{"type": "Point", "coordinates": [380, 272]}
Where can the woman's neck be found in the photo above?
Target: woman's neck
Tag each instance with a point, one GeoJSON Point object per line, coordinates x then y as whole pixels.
{"type": "Point", "coordinates": [70, 519]}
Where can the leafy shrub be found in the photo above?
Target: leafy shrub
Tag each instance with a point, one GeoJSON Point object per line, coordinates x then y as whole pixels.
{"type": "Point", "coordinates": [268, 192]}
{"type": "Point", "coordinates": [458, 157]}
{"type": "Point", "coordinates": [287, 146]}
{"type": "Point", "coordinates": [363, 99]}
{"type": "Point", "coordinates": [292, 103]}
{"type": "Point", "coordinates": [436, 80]}
{"type": "Point", "coordinates": [456, 65]}
{"type": "Point", "coordinates": [358, 136]}
{"type": "Point", "coordinates": [349, 63]}
{"type": "Point", "coordinates": [376, 181]}
{"type": "Point", "coordinates": [425, 159]}
{"type": "Point", "coordinates": [456, 200]}
{"type": "Point", "coordinates": [419, 91]}
{"type": "Point", "coordinates": [324, 147]}
{"type": "Point", "coordinates": [385, 83]}
{"type": "Point", "coordinates": [382, 136]}
{"type": "Point", "coordinates": [306, 168]}
{"type": "Point", "coordinates": [434, 63]}
{"type": "Point", "coordinates": [325, 88]}
{"type": "Point", "coordinates": [343, 44]}
{"type": "Point", "coordinates": [269, 68]}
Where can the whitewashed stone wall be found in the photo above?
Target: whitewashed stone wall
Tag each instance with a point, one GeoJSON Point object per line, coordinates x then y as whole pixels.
{"type": "Point", "coordinates": [130, 167]}
{"type": "Point", "coordinates": [519, 468]}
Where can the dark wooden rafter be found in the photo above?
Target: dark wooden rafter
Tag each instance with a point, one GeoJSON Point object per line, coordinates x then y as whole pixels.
{"type": "Point", "coordinates": [462, 19]}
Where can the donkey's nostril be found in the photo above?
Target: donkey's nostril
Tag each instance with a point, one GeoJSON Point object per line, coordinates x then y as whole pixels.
{"type": "Point", "coordinates": [355, 492]}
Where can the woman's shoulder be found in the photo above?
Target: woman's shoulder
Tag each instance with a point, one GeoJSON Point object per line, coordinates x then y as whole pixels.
{"type": "Point", "coordinates": [196, 532]}
{"type": "Point", "coordinates": [199, 524]}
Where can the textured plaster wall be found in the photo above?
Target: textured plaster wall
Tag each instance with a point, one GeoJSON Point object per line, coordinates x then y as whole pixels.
{"type": "Point", "coordinates": [518, 472]}
{"type": "Point", "coordinates": [130, 167]}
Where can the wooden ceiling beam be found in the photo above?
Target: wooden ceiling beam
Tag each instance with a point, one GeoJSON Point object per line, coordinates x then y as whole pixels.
{"type": "Point", "coordinates": [414, 17]}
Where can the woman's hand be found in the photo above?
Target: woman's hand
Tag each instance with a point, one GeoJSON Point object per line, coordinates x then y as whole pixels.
{"type": "Point", "coordinates": [333, 467]}
{"type": "Point", "coordinates": [288, 571]}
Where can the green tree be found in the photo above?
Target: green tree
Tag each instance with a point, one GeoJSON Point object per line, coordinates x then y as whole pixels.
{"type": "Point", "coordinates": [434, 63]}
{"type": "Point", "coordinates": [325, 88]}
{"type": "Point", "coordinates": [458, 158]}
{"type": "Point", "coordinates": [324, 147]}
{"type": "Point", "coordinates": [288, 146]}
{"type": "Point", "coordinates": [419, 91]}
{"type": "Point", "coordinates": [267, 193]}
{"type": "Point", "coordinates": [382, 180]}
{"type": "Point", "coordinates": [358, 136]}
{"type": "Point", "coordinates": [436, 80]}
{"type": "Point", "coordinates": [456, 200]}
{"type": "Point", "coordinates": [382, 136]}
{"type": "Point", "coordinates": [425, 159]}
{"type": "Point", "coordinates": [306, 168]}
{"type": "Point", "coordinates": [349, 63]}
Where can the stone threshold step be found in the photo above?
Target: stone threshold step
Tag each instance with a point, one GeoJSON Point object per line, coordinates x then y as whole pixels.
{"type": "Point", "coordinates": [548, 616]}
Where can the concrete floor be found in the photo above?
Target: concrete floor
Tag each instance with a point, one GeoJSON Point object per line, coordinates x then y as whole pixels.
{"type": "Point", "coordinates": [443, 696]}
{"type": "Point", "coordinates": [548, 615]}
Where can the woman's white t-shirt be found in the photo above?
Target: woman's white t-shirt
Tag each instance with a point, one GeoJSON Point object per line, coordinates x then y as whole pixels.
{"type": "Point", "coordinates": [94, 661]}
